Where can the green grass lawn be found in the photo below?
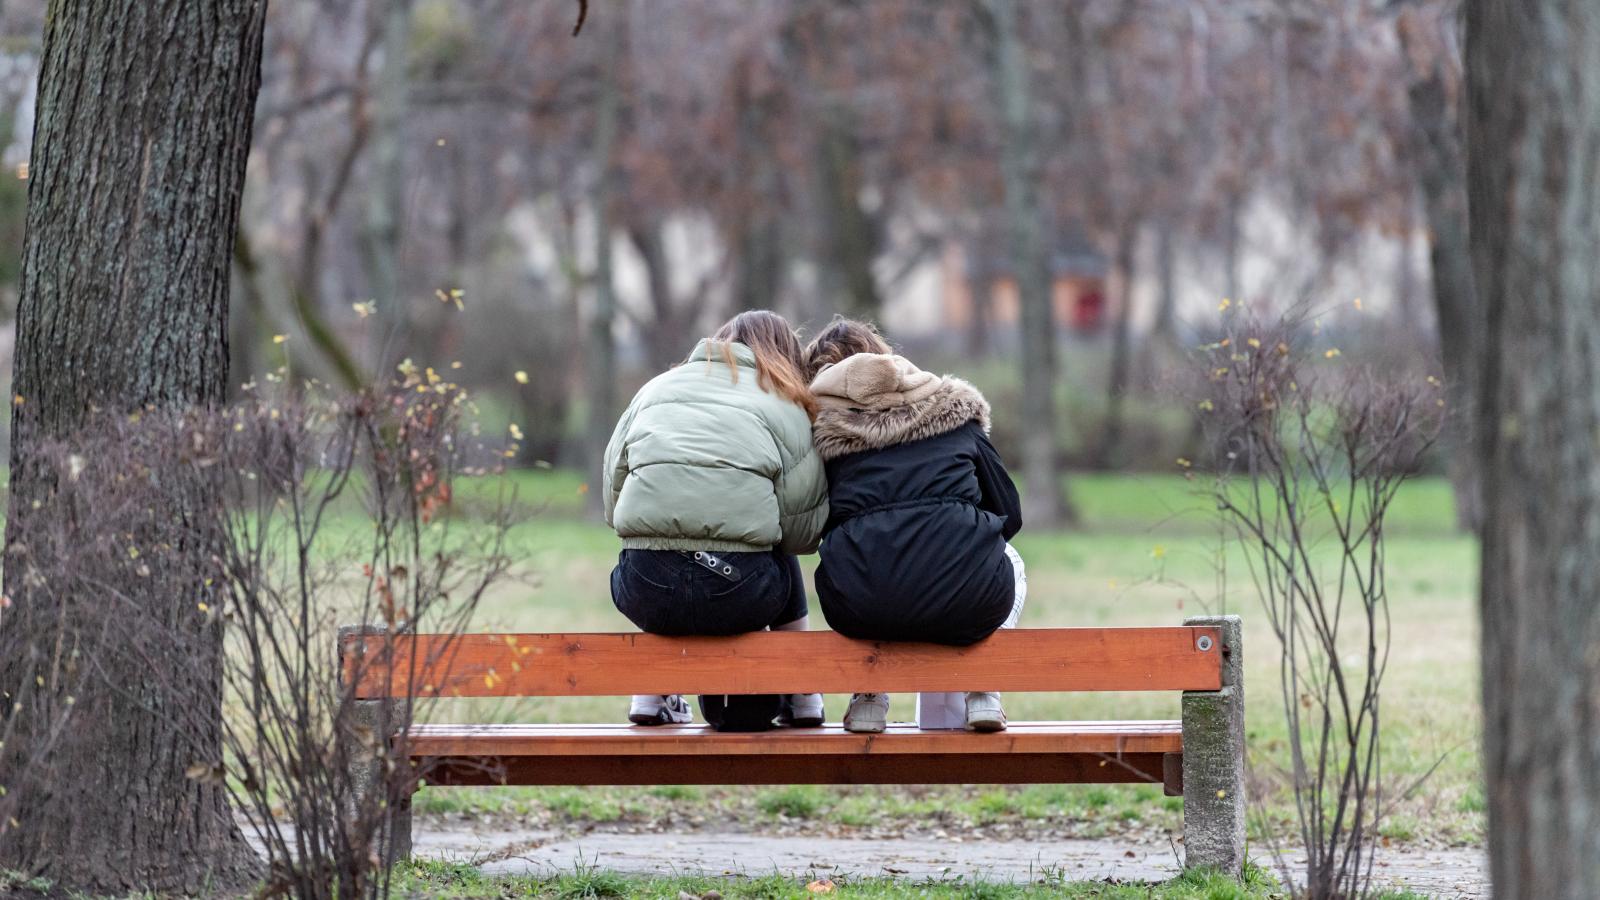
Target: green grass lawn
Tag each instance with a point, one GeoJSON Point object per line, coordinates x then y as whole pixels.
{"type": "Point", "coordinates": [1149, 552]}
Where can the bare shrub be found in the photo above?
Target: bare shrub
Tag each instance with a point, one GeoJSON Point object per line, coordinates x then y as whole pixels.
{"type": "Point", "coordinates": [297, 517]}
{"type": "Point", "coordinates": [1309, 453]}
{"type": "Point", "coordinates": [347, 516]}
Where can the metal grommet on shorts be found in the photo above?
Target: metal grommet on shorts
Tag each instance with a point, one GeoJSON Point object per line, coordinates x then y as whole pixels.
{"type": "Point", "coordinates": [728, 571]}
{"type": "Point", "coordinates": [698, 556]}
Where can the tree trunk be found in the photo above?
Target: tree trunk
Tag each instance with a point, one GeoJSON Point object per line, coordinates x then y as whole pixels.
{"type": "Point", "coordinates": [305, 290]}
{"type": "Point", "coordinates": [1533, 136]}
{"type": "Point", "coordinates": [1436, 156]}
{"type": "Point", "coordinates": [980, 296]}
{"type": "Point", "coordinates": [247, 319]}
{"type": "Point", "coordinates": [1162, 343]}
{"type": "Point", "coordinates": [1121, 351]}
{"type": "Point", "coordinates": [386, 187]}
{"type": "Point", "coordinates": [758, 269]}
{"type": "Point", "coordinates": [546, 400]}
{"type": "Point", "coordinates": [1166, 322]}
{"type": "Point", "coordinates": [1043, 502]}
{"type": "Point", "coordinates": [852, 235]}
{"type": "Point", "coordinates": [1405, 272]}
{"type": "Point", "coordinates": [142, 133]}
{"type": "Point", "coordinates": [1233, 248]}
{"type": "Point", "coordinates": [602, 369]}
{"type": "Point", "coordinates": [670, 325]}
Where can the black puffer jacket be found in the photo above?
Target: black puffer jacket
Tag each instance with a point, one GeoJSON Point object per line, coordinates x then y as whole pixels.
{"type": "Point", "coordinates": [921, 506]}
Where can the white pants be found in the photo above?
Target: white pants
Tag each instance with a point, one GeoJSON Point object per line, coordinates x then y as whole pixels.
{"type": "Point", "coordinates": [1021, 596]}
{"type": "Point", "coordinates": [944, 709]}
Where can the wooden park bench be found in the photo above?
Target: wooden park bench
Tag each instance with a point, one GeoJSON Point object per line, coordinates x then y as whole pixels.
{"type": "Point", "coordinates": [1199, 757]}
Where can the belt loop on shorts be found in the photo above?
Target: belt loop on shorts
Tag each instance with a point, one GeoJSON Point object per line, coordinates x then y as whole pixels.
{"type": "Point", "coordinates": [713, 562]}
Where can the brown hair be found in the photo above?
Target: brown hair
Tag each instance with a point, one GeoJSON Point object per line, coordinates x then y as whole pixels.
{"type": "Point", "coordinates": [843, 338]}
{"type": "Point", "coordinates": [780, 367]}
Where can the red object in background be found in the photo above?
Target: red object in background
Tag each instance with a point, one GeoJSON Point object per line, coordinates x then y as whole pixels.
{"type": "Point", "coordinates": [1089, 312]}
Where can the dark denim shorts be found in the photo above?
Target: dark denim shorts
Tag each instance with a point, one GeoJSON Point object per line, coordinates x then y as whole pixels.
{"type": "Point", "coordinates": [665, 592]}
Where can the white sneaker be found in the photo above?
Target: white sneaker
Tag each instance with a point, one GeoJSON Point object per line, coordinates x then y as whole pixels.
{"type": "Point", "coordinates": [801, 711]}
{"type": "Point", "coordinates": [659, 709]}
{"type": "Point", "coordinates": [868, 713]}
{"type": "Point", "coordinates": [984, 712]}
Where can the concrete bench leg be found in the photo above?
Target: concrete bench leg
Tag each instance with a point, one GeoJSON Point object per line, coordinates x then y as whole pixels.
{"type": "Point", "coordinates": [367, 775]}
{"type": "Point", "coordinates": [1213, 761]}
{"type": "Point", "coordinates": [368, 778]}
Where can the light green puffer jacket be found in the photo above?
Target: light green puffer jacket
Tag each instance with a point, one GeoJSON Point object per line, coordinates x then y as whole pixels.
{"type": "Point", "coordinates": [704, 459]}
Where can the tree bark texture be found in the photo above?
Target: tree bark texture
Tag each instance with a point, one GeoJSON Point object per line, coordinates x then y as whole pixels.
{"type": "Point", "coordinates": [142, 133]}
{"type": "Point", "coordinates": [1042, 499]}
{"type": "Point", "coordinates": [1533, 178]}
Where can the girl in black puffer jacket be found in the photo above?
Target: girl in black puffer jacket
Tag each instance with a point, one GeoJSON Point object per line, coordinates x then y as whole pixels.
{"type": "Point", "coordinates": [915, 547]}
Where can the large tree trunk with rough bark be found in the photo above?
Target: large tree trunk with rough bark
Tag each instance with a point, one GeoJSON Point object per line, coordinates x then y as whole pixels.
{"type": "Point", "coordinates": [142, 132]}
{"type": "Point", "coordinates": [1044, 504]}
{"type": "Point", "coordinates": [1436, 158]}
{"type": "Point", "coordinates": [1533, 141]}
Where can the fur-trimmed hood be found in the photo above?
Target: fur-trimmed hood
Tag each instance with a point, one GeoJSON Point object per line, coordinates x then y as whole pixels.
{"type": "Point", "coordinates": [873, 400]}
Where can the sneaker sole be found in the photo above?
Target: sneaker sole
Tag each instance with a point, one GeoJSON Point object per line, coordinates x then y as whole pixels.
{"type": "Point", "coordinates": [987, 726]}
{"type": "Point", "coordinates": [866, 727]}
{"type": "Point", "coordinates": [654, 720]}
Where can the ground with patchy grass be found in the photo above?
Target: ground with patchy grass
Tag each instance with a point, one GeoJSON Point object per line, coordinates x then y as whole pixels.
{"type": "Point", "coordinates": [1149, 552]}
{"type": "Point", "coordinates": [460, 880]}
{"type": "Point", "coordinates": [593, 881]}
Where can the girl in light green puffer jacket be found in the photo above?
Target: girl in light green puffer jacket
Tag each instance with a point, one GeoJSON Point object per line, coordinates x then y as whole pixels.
{"type": "Point", "coordinates": [713, 484]}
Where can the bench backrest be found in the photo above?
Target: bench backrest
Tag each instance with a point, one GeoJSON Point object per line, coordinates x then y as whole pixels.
{"type": "Point", "coordinates": [1175, 658]}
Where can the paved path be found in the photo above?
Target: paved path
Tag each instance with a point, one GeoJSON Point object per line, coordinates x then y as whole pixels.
{"type": "Point", "coordinates": [1442, 873]}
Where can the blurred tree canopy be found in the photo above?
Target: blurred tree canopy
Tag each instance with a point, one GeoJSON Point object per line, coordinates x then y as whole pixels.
{"type": "Point", "coordinates": [435, 180]}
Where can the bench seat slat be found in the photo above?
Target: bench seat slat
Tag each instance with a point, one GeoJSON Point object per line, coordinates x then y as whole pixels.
{"type": "Point", "coordinates": [594, 665]}
{"type": "Point", "coordinates": [830, 741]}
{"type": "Point", "coordinates": [876, 768]}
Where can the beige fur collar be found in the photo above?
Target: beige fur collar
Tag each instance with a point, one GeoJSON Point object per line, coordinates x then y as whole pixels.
{"type": "Point", "coordinates": [841, 430]}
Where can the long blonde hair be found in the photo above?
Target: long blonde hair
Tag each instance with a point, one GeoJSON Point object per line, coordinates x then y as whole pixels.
{"type": "Point", "coordinates": [780, 366]}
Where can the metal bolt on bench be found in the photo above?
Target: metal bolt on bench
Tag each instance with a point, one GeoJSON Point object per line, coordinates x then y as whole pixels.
{"type": "Point", "coordinates": [1200, 757]}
